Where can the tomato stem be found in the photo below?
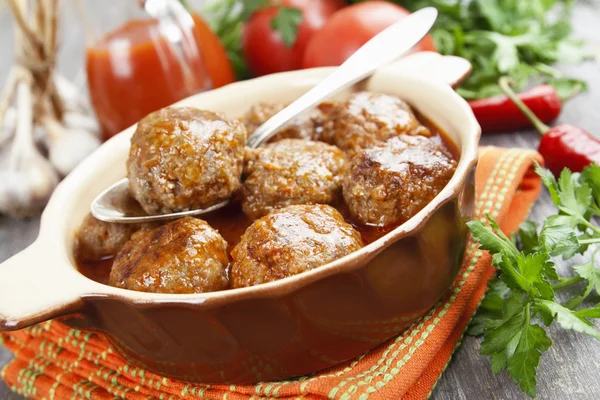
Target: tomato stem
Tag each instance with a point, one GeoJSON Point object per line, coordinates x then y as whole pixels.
{"type": "Point", "coordinates": [504, 84]}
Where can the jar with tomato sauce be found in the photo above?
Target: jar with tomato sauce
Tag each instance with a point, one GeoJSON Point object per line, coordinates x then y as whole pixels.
{"type": "Point", "coordinates": [157, 57]}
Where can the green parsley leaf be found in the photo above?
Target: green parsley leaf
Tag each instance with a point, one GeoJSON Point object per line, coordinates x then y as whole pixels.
{"type": "Point", "coordinates": [567, 319]}
{"type": "Point", "coordinates": [549, 271]}
{"type": "Point", "coordinates": [575, 196]}
{"type": "Point", "coordinates": [523, 363]}
{"type": "Point", "coordinates": [528, 237]}
{"type": "Point", "coordinates": [559, 240]}
{"type": "Point", "coordinates": [287, 22]}
{"type": "Point", "coordinates": [505, 54]}
{"type": "Point", "coordinates": [500, 359]}
{"type": "Point", "coordinates": [591, 174]}
{"type": "Point", "coordinates": [492, 307]}
{"type": "Point", "coordinates": [562, 220]}
{"type": "Point", "coordinates": [497, 339]}
{"type": "Point", "coordinates": [589, 272]}
{"type": "Point", "coordinates": [512, 275]}
{"type": "Point", "coordinates": [543, 314]}
{"type": "Point", "coordinates": [593, 312]}
{"type": "Point", "coordinates": [526, 275]}
{"type": "Point", "coordinates": [549, 181]}
{"type": "Point", "coordinates": [489, 240]}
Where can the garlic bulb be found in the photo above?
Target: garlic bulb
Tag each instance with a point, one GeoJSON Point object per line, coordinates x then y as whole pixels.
{"type": "Point", "coordinates": [68, 146]}
{"type": "Point", "coordinates": [26, 179]}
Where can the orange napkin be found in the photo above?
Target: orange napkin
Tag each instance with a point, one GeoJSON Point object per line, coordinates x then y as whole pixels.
{"type": "Point", "coordinates": [54, 361]}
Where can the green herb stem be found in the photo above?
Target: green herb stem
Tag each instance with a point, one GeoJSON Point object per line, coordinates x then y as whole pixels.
{"type": "Point", "coordinates": [591, 226]}
{"type": "Point", "coordinates": [548, 70]}
{"type": "Point", "coordinates": [504, 84]}
{"type": "Point", "coordinates": [566, 282]}
{"type": "Point", "coordinates": [589, 241]}
{"type": "Point", "coordinates": [577, 300]}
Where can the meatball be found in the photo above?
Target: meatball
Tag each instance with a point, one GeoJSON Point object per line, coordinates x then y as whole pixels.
{"type": "Point", "coordinates": [183, 256]}
{"type": "Point", "coordinates": [291, 171]}
{"type": "Point", "coordinates": [97, 239]}
{"type": "Point", "coordinates": [289, 241]}
{"type": "Point", "coordinates": [185, 158]}
{"type": "Point", "coordinates": [366, 119]}
{"type": "Point", "coordinates": [308, 126]}
{"type": "Point", "coordinates": [391, 182]}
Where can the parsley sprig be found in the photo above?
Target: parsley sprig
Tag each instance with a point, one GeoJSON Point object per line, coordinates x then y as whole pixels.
{"type": "Point", "coordinates": [521, 39]}
{"type": "Point", "coordinates": [521, 301]}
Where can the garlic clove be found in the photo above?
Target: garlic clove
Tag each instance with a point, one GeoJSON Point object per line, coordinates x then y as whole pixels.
{"type": "Point", "coordinates": [7, 130]}
{"type": "Point", "coordinates": [40, 138]}
{"type": "Point", "coordinates": [71, 94]}
{"type": "Point", "coordinates": [25, 190]}
{"type": "Point", "coordinates": [78, 120]}
{"type": "Point", "coordinates": [70, 148]}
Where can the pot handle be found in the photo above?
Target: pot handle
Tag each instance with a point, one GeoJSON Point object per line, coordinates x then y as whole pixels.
{"type": "Point", "coordinates": [450, 69]}
{"type": "Point", "coordinates": [31, 291]}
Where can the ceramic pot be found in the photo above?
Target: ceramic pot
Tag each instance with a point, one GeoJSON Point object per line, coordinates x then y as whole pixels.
{"type": "Point", "coordinates": [277, 330]}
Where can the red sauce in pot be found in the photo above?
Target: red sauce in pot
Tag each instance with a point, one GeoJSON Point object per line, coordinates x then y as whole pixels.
{"type": "Point", "coordinates": [231, 222]}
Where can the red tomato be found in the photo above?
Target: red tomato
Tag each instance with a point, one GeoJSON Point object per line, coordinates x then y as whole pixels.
{"type": "Point", "coordinates": [262, 46]}
{"type": "Point", "coordinates": [348, 29]}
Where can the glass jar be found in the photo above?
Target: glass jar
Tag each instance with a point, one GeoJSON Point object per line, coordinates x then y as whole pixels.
{"type": "Point", "coordinates": [155, 53]}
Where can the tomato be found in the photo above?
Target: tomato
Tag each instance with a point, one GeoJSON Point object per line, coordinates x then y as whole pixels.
{"type": "Point", "coordinates": [214, 55]}
{"type": "Point", "coordinates": [348, 29]}
{"type": "Point", "coordinates": [264, 50]}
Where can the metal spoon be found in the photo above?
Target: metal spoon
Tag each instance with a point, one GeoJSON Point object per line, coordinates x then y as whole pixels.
{"type": "Point", "coordinates": [115, 204]}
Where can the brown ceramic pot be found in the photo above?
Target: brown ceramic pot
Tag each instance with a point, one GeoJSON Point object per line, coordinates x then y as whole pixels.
{"type": "Point", "coordinates": [277, 330]}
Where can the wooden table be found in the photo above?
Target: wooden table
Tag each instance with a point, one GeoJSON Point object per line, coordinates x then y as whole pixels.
{"type": "Point", "coordinates": [569, 370]}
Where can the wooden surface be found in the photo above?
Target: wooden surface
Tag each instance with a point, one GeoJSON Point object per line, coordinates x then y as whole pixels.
{"type": "Point", "coordinates": [569, 370]}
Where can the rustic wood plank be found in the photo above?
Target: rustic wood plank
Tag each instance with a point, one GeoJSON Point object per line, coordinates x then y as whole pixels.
{"type": "Point", "coordinates": [568, 371]}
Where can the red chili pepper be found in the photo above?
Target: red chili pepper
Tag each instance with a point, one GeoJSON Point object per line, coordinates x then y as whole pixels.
{"type": "Point", "coordinates": [562, 146]}
{"type": "Point", "coordinates": [499, 113]}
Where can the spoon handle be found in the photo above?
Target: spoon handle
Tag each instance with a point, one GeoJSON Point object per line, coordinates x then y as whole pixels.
{"type": "Point", "coordinates": [383, 48]}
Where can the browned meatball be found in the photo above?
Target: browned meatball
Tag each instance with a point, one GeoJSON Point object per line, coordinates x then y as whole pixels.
{"type": "Point", "coordinates": [365, 119]}
{"type": "Point", "coordinates": [183, 256]}
{"type": "Point", "coordinates": [97, 239]}
{"type": "Point", "coordinates": [289, 241]}
{"type": "Point", "coordinates": [308, 126]}
{"type": "Point", "coordinates": [291, 171]}
{"type": "Point", "coordinates": [185, 158]}
{"type": "Point", "coordinates": [391, 182]}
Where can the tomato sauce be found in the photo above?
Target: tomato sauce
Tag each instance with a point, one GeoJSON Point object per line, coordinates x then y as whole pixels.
{"type": "Point", "coordinates": [135, 70]}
